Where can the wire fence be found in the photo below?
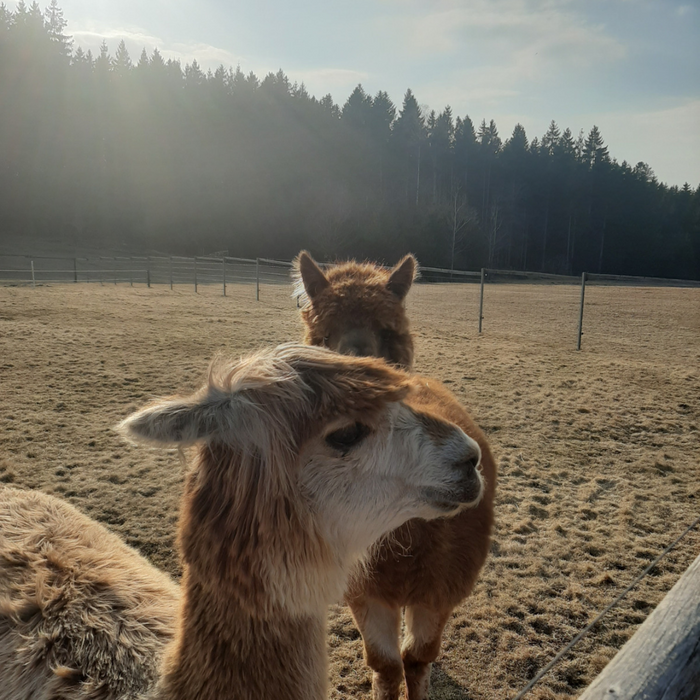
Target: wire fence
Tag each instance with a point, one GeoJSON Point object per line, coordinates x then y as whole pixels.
{"type": "Point", "coordinates": [213, 272]}
{"type": "Point", "coordinates": [31, 270]}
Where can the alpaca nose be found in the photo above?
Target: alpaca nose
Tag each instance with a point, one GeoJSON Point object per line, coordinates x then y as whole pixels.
{"type": "Point", "coordinates": [358, 344]}
{"type": "Point", "coordinates": [471, 486]}
{"type": "Point", "coordinates": [470, 459]}
{"type": "Point", "coordinates": [470, 463]}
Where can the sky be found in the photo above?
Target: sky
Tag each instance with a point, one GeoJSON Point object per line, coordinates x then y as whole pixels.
{"type": "Point", "coordinates": [631, 67]}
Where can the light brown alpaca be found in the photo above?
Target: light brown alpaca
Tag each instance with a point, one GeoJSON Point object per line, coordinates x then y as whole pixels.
{"type": "Point", "coordinates": [357, 308]}
{"type": "Point", "coordinates": [302, 458]}
{"type": "Point", "coordinates": [425, 567]}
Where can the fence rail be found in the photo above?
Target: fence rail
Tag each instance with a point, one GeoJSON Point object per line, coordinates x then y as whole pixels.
{"type": "Point", "coordinates": [661, 659]}
{"type": "Point", "coordinates": [225, 271]}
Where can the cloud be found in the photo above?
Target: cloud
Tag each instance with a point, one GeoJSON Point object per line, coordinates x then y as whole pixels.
{"type": "Point", "coordinates": [683, 10]}
{"type": "Point", "coordinates": [498, 49]}
{"type": "Point", "coordinates": [447, 26]}
{"type": "Point", "coordinates": [136, 39]}
{"type": "Point", "coordinates": [667, 139]}
{"type": "Point", "coordinates": [323, 80]}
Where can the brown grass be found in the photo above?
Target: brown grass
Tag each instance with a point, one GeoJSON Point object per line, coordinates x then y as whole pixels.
{"type": "Point", "coordinates": [599, 451]}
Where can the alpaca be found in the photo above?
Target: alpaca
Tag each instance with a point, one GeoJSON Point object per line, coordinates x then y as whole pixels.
{"type": "Point", "coordinates": [301, 458]}
{"type": "Point", "coordinates": [426, 568]}
{"type": "Point", "coordinates": [357, 308]}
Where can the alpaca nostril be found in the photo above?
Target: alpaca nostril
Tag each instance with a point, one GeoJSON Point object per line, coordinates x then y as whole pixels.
{"type": "Point", "coordinates": [470, 462]}
{"type": "Point", "coordinates": [474, 462]}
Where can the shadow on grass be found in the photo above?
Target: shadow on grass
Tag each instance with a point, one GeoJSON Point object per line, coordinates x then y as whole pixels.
{"type": "Point", "coordinates": [443, 687]}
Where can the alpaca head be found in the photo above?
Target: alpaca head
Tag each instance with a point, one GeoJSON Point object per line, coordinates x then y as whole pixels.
{"type": "Point", "coordinates": [357, 309]}
{"type": "Point", "coordinates": [305, 458]}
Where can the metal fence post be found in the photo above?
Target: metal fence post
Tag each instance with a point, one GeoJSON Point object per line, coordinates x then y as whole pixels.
{"type": "Point", "coordinates": [580, 315]}
{"type": "Point", "coordinates": [170, 266]}
{"type": "Point", "coordinates": [223, 273]}
{"type": "Point", "coordinates": [75, 270]}
{"type": "Point", "coordinates": [33, 279]}
{"type": "Point", "coordinates": [115, 272]}
{"type": "Point", "coordinates": [148, 271]}
{"type": "Point", "coordinates": [131, 272]}
{"type": "Point", "coordinates": [257, 279]}
{"type": "Point", "coordinates": [481, 298]}
{"type": "Point", "coordinates": [195, 275]}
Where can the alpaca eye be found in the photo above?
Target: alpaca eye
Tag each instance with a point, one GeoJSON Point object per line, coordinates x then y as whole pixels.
{"type": "Point", "coordinates": [346, 438]}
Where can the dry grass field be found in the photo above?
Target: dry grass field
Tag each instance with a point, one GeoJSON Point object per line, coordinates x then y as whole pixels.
{"type": "Point", "coordinates": [598, 450]}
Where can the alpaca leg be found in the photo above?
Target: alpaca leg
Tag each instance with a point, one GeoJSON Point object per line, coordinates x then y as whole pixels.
{"type": "Point", "coordinates": [421, 646]}
{"type": "Point", "coordinates": [380, 624]}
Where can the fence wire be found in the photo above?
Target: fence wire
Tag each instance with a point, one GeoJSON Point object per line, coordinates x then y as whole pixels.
{"type": "Point", "coordinates": [602, 614]}
{"type": "Point", "coordinates": [554, 303]}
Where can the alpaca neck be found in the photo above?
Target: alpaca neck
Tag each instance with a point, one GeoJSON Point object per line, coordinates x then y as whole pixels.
{"type": "Point", "coordinates": [223, 651]}
{"type": "Point", "coordinates": [256, 583]}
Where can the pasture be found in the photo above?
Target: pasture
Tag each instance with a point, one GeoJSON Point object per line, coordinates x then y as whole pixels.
{"type": "Point", "coordinates": [598, 450]}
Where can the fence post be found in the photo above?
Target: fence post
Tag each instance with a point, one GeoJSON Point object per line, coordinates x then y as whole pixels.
{"type": "Point", "coordinates": [170, 265]}
{"type": "Point", "coordinates": [195, 275]}
{"type": "Point", "coordinates": [257, 279]}
{"type": "Point", "coordinates": [131, 272]}
{"type": "Point", "coordinates": [33, 279]}
{"type": "Point", "coordinates": [75, 270]}
{"type": "Point", "coordinates": [481, 298]}
{"type": "Point", "coordinates": [115, 272]}
{"type": "Point", "coordinates": [148, 271]}
{"type": "Point", "coordinates": [580, 314]}
{"type": "Point", "coordinates": [223, 273]}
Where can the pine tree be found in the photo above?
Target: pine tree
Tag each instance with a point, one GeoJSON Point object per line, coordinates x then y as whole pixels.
{"type": "Point", "coordinates": [103, 63]}
{"type": "Point", "coordinates": [567, 145]}
{"type": "Point", "coordinates": [381, 117]}
{"type": "Point", "coordinates": [464, 154]}
{"type": "Point", "coordinates": [156, 63]}
{"type": "Point", "coordinates": [595, 152]}
{"type": "Point", "coordinates": [55, 24]}
{"type": "Point", "coordinates": [122, 61]}
{"type": "Point", "coordinates": [441, 135]}
{"type": "Point", "coordinates": [408, 135]}
{"type": "Point", "coordinates": [357, 109]}
{"type": "Point", "coordinates": [194, 76]}
{"type": "Point", "coordinates": [330, 107]}
{"type": "Point", "coordinates": [142, 65]}
{"type": "Point", "coordinates": [550, 141]}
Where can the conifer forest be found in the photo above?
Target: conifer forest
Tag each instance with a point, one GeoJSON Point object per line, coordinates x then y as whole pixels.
{"type": "Point", "coordinates": [142, 154]}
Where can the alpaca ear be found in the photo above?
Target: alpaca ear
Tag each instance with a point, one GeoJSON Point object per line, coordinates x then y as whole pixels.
{"type": "Point", "coordinates": [171, 422]}
{"type": "Point", "coordinates": [402, 276]}
{"type": "Point", "coordinates": [311, 275]}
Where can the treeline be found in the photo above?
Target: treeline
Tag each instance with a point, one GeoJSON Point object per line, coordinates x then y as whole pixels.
{"type": "Point", "coordinates": [106, 151]}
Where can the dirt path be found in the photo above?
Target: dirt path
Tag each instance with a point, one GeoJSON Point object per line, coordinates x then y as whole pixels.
{"type": "Point", "coordinates": [599, 451]}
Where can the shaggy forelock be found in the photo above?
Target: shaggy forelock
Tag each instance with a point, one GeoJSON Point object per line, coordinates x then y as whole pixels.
{"type": "Point", "coordinates": [270, 400]}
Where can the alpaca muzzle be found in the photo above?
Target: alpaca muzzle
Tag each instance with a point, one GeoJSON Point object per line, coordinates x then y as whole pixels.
{"type": "Point", "coordinates": [359, 342]}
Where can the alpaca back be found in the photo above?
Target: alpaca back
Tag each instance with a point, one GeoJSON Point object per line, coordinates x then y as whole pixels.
{"type": "Point", "coordinates": [82, 615]}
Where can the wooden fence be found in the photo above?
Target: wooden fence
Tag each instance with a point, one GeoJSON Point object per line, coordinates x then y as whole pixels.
{"type": "Point", "coordinates": [662, 660]}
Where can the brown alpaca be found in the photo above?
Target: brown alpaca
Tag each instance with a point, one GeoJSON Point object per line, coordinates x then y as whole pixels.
{"type": "Point", "coordinates": [302, 458]}
{"type": "Point", "coordinates": [357, 308]}
{"type": "Point", "coordinates": [425, 567]}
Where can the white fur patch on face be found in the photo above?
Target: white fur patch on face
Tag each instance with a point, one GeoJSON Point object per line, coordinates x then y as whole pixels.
{"type": "Point", "coordinates": [401, 469]}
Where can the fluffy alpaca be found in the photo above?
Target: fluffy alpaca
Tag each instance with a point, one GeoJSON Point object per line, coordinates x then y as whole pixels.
{"type": "Point", "coordinates": [357, 308]}
{"type": "Point", "coordinates": [425, 567]}
{"type": "Point", "coordinates": [302, 458]}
